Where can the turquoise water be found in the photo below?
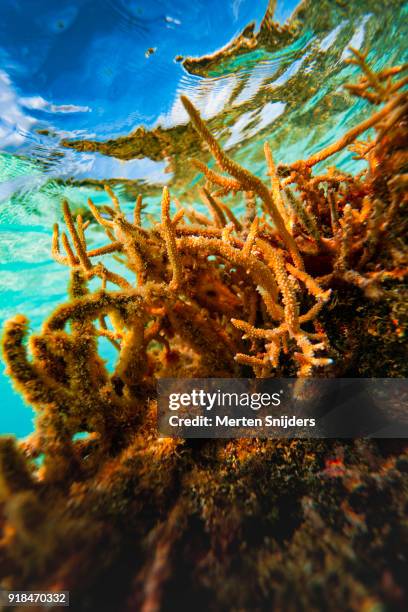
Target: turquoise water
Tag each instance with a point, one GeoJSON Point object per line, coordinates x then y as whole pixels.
{"type": "Point", "coordinates": [99, 69]}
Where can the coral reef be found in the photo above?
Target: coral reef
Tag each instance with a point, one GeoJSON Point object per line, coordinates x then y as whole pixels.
{"type": "Point", "coordinates": [308, 278]}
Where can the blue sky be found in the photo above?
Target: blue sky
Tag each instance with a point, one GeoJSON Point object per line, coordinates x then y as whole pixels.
{"type": "Point", "coordinates": [82, 65]}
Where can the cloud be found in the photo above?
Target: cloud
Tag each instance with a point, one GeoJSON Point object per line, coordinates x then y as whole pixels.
{"type": "Point", "coordinates": [101, 167]}
{"type": "Point", "coordinates": [236, 5]}
{"type": "Point", "coordinates": [357, 39]}
{"type": "Point", "coordinates": [260, 119]}
{"type": "Point", "coordinates": [15, 124]}
{"type": "Point", "coordinates": [210, 97]}
{"type": "Point", "coordinates": [38, 103]}
{"type": "Point", "coordinates": [328, 40]}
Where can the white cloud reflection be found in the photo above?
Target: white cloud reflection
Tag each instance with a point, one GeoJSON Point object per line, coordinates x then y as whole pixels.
{"type": "Point", "coordinates": [15, 123]}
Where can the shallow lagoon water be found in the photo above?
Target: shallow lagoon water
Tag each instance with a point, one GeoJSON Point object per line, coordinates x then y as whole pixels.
{"type": "Point", "coordinates": [98, 70]}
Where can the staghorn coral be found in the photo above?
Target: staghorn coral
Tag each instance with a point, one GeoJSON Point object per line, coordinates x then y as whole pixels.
{"type": "Point", "coordinates": [302, 284]}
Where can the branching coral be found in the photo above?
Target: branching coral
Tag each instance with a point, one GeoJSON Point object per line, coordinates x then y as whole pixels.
{"type": "Point", "coordinates": [199, 296]}
{"type": "Point", "coordinates": [198, 283]}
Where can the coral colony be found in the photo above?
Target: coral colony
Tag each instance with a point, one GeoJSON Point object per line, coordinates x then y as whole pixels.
{"type": "Point", "coordinates": [293, 288]}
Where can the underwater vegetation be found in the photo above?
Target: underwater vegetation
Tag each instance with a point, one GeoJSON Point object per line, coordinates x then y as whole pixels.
{"type": "Point", "coordinates": [310, 280]}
